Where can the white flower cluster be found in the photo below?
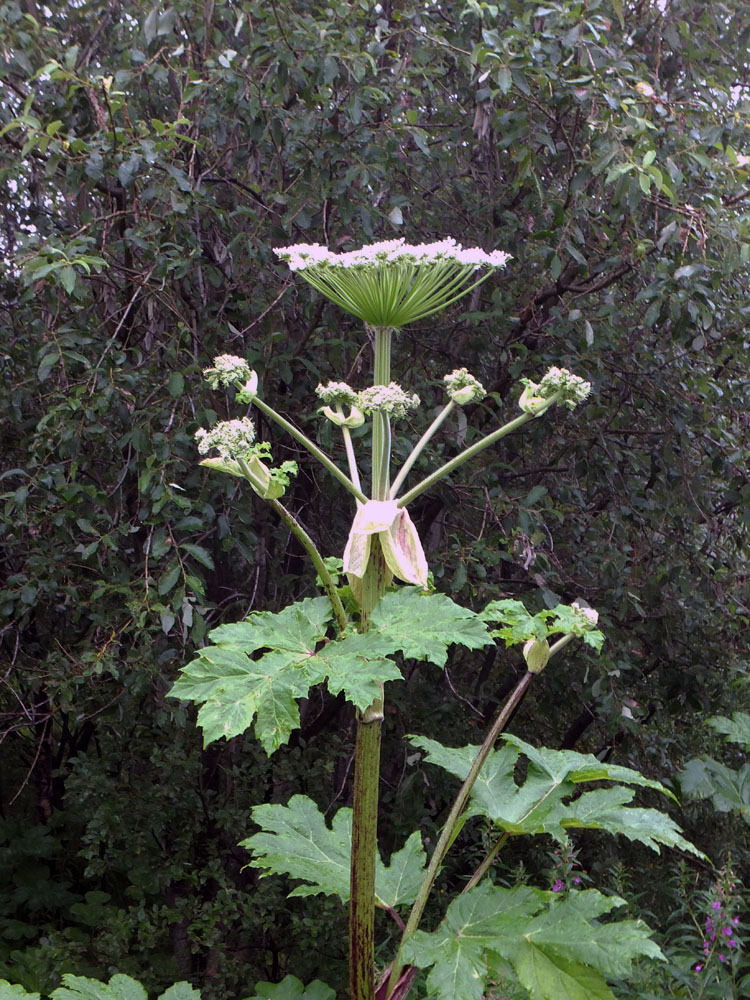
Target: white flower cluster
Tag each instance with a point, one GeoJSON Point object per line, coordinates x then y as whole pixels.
{"type": "Point", "coordinates": [463, 388]}
{"type": "Point", "coordinates": [232, 438]}
{"type": "Point", "coordinates": [227, 370]}
{"type": "Point", "coordinates": [566, 388]}
{"type": "Point", "coordinates": [305, 255]}
{"type": "Point", "coordinates": [390, 399]}
{"type": "Point", "coordinates": [337, 392]}
{"type": "Point", "coordinates": [574, 389]}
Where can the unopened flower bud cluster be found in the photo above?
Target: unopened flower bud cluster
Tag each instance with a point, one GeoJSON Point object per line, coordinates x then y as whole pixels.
{"type": "Point", "coordinates": [390, 399]}
{"type": "Point", "coordinates": [463, 388]}
{"type": "Point", "coordinates": [232, 439]}
{"type": "Point", "coordinates": [589, 617]}
{"type": "Point", "coordinates": [337, 393]}
{"type": "Point", "coordinates": [572, 389]}
{"type": "Point", "coordinates": [228, 370]}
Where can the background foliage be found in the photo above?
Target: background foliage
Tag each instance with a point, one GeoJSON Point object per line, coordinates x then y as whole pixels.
{"type": "Point", "coordinates": [151, 158]}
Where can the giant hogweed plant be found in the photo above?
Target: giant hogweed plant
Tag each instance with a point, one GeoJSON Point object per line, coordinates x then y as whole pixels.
{"type": "Point", "coordinates": [252, 673]}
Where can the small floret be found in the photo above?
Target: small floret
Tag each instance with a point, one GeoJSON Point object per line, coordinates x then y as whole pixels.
{"type": "Point", "coordinates": [463, 388]}
{"type": "Point", "coordinates": [390, 399]}
{"type": "Point", "coordinates": [233, 439]}
{"type": "Point", "coordinates": [337, 392]}
{"type": "Point", "coordinates": [228, 370]}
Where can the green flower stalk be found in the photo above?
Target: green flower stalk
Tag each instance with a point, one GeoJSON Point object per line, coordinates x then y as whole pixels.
{"type": "Point", "coordinates": [391, 284]}
{"type": "Point", "coordinates": [558, 386]}
{"type": "Point", "coordinates": [462, 388]}
{"type": "Point", "coordinates": [337, 395]}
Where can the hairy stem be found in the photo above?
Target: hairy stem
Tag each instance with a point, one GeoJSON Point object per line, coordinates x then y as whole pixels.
{"type": "Point", "coordinates": [365, 809]}
{"type": "Point", "coordinates": [367, 751]}
{"type": "Point", "coordinates": [312, 448]}
{"type": "Point", "coordinates": [498, 846]}
{"type": "Point", "coordinates": [317, 559]}
{"type": "Point", "coordinates": [419, 448]}
{"type": "Point", "coordinates": [468, 453]}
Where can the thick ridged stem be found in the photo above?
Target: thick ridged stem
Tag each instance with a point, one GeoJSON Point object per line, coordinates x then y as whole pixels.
{"type": "Point", "coordinates": [381, 423]}
{"type": "Point", "coordinates": [364, 848]}
{"type": "Point", "coordinates": [369, 723]}
{"type": "Point", "coordinates": [317, 560]}
{"type": "Point", "coordinates": [312, 448]}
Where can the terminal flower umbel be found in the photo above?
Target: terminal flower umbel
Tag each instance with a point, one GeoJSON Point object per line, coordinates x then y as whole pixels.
{"type": "Point", "coordinates": [393, 283]}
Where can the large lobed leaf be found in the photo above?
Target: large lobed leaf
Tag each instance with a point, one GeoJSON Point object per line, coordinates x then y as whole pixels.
{"type": "Point", "coordinates": [119, 987]}
{"type": "Point", "coordinates": [519, 625]}
{"type": "Point", "coordinates": [295, 841]}
{"type": "Point", "coordinates": [556, 947]}
{"type": "Point", "coordinates": [734, 730]}
{"type": "Point", "coordinates": [10, 992]}
{"type": "Point", "coordinates": [729, 790]}
{"type": "Point", "coordinates": [124, 988]}
{"type": "Point", "coordinates": [291, 988]}
{"type": "Point", "coordinates": [544, 802]}
{"type": "Point", "coordinates": [257, 669]}
{"type": "Point", "coordinates": [423, 626]}
{"type": "Point", "coordinates": [234, 689]}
